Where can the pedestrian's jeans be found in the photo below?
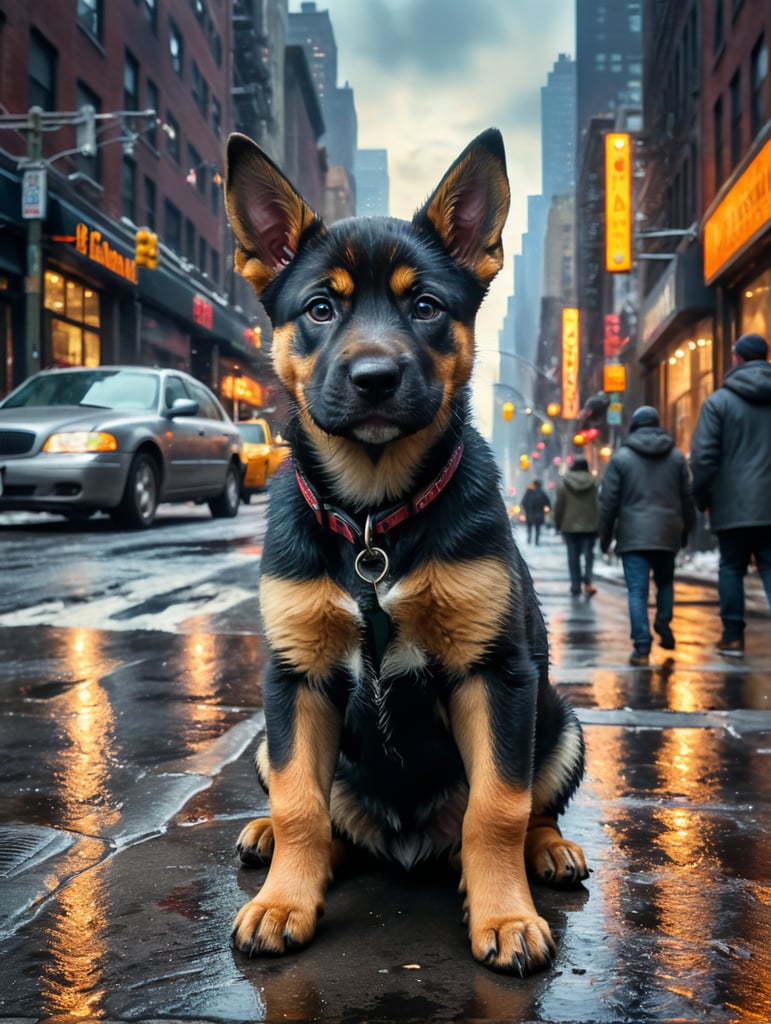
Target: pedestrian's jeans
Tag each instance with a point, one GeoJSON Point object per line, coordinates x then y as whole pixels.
{"type": "Point", "coordinates": [638, 566]}
{"type": "Point", "coordinates": [580, 546]}
{"type": "Point", "coordinates": [736, 549]}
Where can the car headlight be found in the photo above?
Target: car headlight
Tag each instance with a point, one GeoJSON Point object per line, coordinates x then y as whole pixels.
{"type": "Point", "coordinates": [81, 441]}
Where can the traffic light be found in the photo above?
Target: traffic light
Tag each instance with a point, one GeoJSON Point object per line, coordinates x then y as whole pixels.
{"type": "Point", "coordinates": [146, 249]}
{"type": "Point", "coordinates": [508, 411]}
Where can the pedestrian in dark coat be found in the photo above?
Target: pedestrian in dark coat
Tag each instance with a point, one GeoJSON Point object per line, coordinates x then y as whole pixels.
{"type": "Point", "coordinates": [731, 466]}
{"type": "Point", "coordinates": [534, 505]}
{"type": "Point", "coordinates": [576, 516]}
{"type": "Point", "coordinates": [646, 500]}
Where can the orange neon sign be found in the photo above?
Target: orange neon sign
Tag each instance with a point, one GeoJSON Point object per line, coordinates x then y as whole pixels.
{"type": "Point", "coordinates": [618, 202]}
{"type": "Point", "coordinates": [89, 242]}
{"type": "Point", "coordinates": [570, 341]}
{"type": "Point", "coordinates": [613, 377]}
{"type": "Point", "coordinates": [736, 220]}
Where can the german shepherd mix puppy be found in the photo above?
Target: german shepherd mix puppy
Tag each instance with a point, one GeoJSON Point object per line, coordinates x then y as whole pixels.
{"type": "Point", "coordinates": [407, 701]}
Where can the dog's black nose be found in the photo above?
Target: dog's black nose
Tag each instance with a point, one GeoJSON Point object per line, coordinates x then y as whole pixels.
{"type": "Point", "coordinates": [375, 377]}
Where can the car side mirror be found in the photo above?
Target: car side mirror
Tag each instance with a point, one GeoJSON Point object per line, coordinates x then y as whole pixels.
{"type": "Point", "coordinates": [182, 407]}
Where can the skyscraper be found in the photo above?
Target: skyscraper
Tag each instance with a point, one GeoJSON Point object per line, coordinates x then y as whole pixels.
{"type": "Point", "coordinates": [371, 169]}
{"type": "Point", "coordinates": [312, 29]}
{"type": "Point", "coordinates": [608, 58]}
{"type": "Point", "coordinates": [558, 129]}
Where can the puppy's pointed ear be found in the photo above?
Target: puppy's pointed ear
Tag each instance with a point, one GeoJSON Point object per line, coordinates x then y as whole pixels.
{"type": "Point", "coordinates": [469, 207]}
{"type": "Point", "coordinates": [269, 218]}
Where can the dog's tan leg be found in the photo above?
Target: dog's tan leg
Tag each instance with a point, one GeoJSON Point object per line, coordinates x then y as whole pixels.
{"type": "Point", "coordinates": [549, 857]}
{"type": "Point", "coordinates": [283, 915]}
{"type": "Point", "coordinates": [505, 929]}
{"type": "Point", "coordinates": [255, 846]}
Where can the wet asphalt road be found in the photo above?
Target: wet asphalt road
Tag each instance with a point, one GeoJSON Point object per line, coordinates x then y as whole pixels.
{"type": "Point", "coordinates": [129, 703]}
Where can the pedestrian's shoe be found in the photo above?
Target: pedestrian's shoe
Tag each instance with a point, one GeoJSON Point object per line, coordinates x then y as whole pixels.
{"type": "Point", "coordinates": [666, 638]}
{"type": "Point", "coordinates": [574, 591]}
{"type": "Point", "coordinates": [731, 648]}
{"type": "Point", "coordinates": [589, 590]}
{"type": "Point", "coordinates": [639, 658]}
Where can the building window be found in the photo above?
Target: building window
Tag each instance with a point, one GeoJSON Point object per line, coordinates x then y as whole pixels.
{"type": "Point", "coordinates": [151, 13]}
{"type": "Point", "coordinates": [150, 203]}
{"type": "Point", "coordinates": [75, 321]}
{"type": "Point", "coordinates": [719, 27]}
{"type": "Point", "coordinates": [90, 17]}
{"type": "Point", "coordinates": [717, 123]}
{"type": "Point", "coordinates": [202, 252]}
{"type": "Point", "coordinates": [758, 86]}
{"type": "Point", "coordinates": [190, 241]}
{"type": "Point", "coordinates": [214, 259]}
{"type": "Point", "coordinates": [216, 192]}
{"type": "Point", "coordinates": [128, 181]}
{"type": "Point", "coordinates": [688, 374]}
{"type": "Point", "coordinates": [216, 116]}
{"type": "Point", "coordinates": [200, 91]}
{"type": "Point", "coordinates": [130, 82]}
{"type": "Point", "coordinates": [196, 174]}
{"type": "Point", "coordinates": [173, 147]}
{"type": "Point", "coordinates": [153, 100]}
{"type": "Point", "coordinates": [176, 49]}
{"type": "Point", "coordinates": [172, 226]}
{"type": "Point", "coordinates": [42, 72]}
{"type": "Point", "coordinates": [736, 117]}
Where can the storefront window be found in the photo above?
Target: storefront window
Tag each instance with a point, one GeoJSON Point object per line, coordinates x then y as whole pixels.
{"type": "Point", "coordinates": [756, 306]}
{"type": "Point", "coordinates": [75, 306]}
{"type": "Point", "coordinates": [688, 379]}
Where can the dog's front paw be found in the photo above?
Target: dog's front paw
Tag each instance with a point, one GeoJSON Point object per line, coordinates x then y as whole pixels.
{"type": "Point", "coordinates": [516, 945]}
{"type": "Point", "coordinates": [265, 928]}
{"type": "Point", "coordinates": [554, 860]}
{"type": "Point", "coordinates": [255, 844]}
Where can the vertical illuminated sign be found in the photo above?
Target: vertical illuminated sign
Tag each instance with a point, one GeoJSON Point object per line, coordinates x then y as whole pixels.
{"type": "Point", "coordinates": [570, 339]}
{"type": "Point", "coordinates": [618, 202]}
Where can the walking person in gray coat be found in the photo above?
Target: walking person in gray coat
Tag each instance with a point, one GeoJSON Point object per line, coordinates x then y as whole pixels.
{"type": "Point", "coordinates": [576, 515]}
{"type": "Point", "coordinates": [646, 500]}
{"type": "Point", "coordinates": [731, 466]}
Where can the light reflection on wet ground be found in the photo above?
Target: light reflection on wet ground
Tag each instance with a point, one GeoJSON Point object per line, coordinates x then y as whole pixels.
{"type": "Point", "coordinates": [104, 733]}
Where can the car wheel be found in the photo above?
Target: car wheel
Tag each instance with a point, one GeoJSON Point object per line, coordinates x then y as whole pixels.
{"type": "Point", "coordinates": [140, 498]}
{"type": "Point", "coordinates": [225, 505]}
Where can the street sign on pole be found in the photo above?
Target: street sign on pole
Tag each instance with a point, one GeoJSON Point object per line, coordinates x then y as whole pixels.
{"type": "Point", "coordinates": [34, 193]}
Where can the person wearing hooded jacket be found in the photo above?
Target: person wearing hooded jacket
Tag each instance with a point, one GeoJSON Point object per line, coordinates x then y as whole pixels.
{"type": "Point", "coordinates": [731, 466]}
{"type": "Point", "coordinates": [646, 501]}
{"type": "Point", "coordinates": [576, 514]}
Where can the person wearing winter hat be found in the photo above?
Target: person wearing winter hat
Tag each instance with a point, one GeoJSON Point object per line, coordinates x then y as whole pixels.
{"type": "Point", "coordinates": [646, 502]}
{"type": "Point", "coordinates": [731, 466]}
{"type": "Point", "coordinates": [576, 514]}
{"type": "Point", "coordinates": [535, 502]}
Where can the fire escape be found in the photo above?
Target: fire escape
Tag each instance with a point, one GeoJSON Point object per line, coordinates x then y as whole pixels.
{"type": "Point", "coordinates": [253, 111]}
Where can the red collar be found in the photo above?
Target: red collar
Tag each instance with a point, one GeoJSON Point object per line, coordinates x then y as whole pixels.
{"type": "Point", "coordinates": [339, 522]}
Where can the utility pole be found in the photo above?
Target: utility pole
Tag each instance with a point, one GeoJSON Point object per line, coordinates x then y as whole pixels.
{"type": "Point", "coordinates": [35, 191]}
{"type": "Point", "coordinates": [34, 211]}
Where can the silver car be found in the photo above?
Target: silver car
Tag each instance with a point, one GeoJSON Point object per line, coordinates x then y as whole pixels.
{"type": "Point", "coordinates": [120, 439]}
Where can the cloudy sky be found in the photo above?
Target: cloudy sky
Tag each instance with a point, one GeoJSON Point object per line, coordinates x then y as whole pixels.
{"type": "Point", "coordinates": [429, 75]}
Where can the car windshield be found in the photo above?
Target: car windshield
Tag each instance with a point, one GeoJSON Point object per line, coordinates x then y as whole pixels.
{"type": "Point", "coordinates": [252, 433]}
{"type": "Point", "coordinates": [113, 389]}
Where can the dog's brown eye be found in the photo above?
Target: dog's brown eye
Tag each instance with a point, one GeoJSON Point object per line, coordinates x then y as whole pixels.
{"type": "Point", "coordinates": [426, 307]}
{"type": "Point", "coordinates": [321, 310]}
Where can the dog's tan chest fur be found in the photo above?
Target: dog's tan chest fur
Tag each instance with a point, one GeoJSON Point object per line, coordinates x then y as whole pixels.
{"type": "Point", "coordinates": [450, 612]}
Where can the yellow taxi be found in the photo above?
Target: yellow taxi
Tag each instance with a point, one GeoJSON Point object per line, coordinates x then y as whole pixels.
{"type": "Point", "coordinates": [262, 454]}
